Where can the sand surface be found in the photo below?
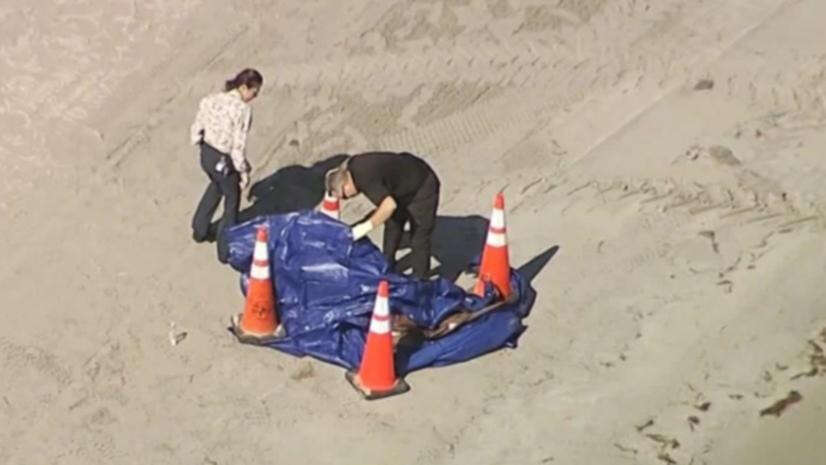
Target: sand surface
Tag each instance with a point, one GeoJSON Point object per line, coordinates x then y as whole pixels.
{"type": "Point", "coordinates": [662, 164]}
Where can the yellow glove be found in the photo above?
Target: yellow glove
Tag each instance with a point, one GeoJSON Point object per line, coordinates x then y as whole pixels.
{"type": "Point", "coordinates": [360, 230]}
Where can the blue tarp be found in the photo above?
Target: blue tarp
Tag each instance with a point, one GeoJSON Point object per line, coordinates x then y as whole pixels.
{"type": "Point", "coordinates": [326, 283]}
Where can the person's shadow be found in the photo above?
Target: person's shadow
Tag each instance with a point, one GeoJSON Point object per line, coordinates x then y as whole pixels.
{"type": "Point", "coordinates": [458, 242]}
{"type": "Point", "coordinates": [288, 189]}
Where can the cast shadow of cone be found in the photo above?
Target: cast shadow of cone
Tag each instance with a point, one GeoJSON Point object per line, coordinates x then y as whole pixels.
{"type": "Point", "coordinates": [531, 270]}
{"type": "Point", "coordinates": [534, 266]}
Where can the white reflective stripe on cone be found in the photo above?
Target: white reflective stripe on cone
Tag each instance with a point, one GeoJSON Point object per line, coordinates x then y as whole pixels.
{"type": "Point", "coordinates": [260, 252]}
{"type": "Point", "coordinates": [381, 308]}
{"type": "Point", "coordinates": [380, 326]}
{"type": "Point", "coordinates": [496, 239]}
{"type": "Point", "coordinates": [260, 272]}
{"type": "Point", "coordinates": [497, 218]}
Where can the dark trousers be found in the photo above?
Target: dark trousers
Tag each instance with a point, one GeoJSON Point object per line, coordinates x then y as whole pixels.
{"type": "Point", "coordinates": [221, 184]}
{"type": "Point", "coordinates": [421, 213]}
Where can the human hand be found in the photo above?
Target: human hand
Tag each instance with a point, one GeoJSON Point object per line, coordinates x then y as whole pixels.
{"type": "Point", "coordinates": [197, 138]}
{"type": "Point", "coordinates": [244, 180]}
{"type": "Point", "coordinates": [360, 230]}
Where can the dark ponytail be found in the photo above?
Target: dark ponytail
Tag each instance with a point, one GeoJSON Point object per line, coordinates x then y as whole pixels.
{"type": "Point", "coordinates": [248, 77]}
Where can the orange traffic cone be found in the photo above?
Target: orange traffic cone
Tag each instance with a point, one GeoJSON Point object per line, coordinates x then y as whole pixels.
{"type": "Point", "coordinates": [330, 206]}
{"type": "Point", "coordinates": [258, 323]}
{"type": "Point", "coordinates": [376, 377]}
{"type": "Point", "coordinates": [495, 265]}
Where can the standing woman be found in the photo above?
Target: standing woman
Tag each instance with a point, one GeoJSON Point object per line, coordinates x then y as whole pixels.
{"type": "Point", "coordinates": [220, 129]}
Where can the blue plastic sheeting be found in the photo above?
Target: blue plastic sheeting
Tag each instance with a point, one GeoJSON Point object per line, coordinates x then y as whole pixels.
{"type": "Point", "coordinates": [326, 284]}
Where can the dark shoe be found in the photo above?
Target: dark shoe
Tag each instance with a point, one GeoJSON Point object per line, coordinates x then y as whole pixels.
{"type": "Point", "coordinates": [198, 236]}
{"type": "Point", "coordinates": [212, 233]}
{"type": "Point", "coordinates": [223, 251]}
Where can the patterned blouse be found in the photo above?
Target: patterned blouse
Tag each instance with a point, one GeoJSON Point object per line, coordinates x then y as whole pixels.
{"type": "Point", "coordinates": [223, 121]}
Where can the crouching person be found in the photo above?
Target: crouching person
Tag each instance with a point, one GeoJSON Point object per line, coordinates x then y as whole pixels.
{"type": "Point", "coordinates": [404, 189]}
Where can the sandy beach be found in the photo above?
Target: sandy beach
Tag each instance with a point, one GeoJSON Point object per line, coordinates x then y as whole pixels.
{"type": "Point", "coordinates": [660, 164]}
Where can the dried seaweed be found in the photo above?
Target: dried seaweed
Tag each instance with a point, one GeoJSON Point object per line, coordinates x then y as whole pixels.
{"type": "Point", "coordinates": [778, 407]}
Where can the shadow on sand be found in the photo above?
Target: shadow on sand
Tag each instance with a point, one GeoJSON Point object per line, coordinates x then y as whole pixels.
{"type": "Point", "coordinates": [457, 240]}
{"type": "Point", "coordinates": [289, 189]}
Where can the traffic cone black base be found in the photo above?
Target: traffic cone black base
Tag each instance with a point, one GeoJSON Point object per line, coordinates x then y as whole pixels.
{"type": "Point", "coordinates": [251, 338]}
{"type": "Point", "coordinates": [399, 387]}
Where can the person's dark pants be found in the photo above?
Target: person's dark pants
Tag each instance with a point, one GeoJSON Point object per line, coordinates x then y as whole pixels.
{"type": "Point", "coordinates": [421, 213]}
{"type": "Point", "coordinates": [221, 184]}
